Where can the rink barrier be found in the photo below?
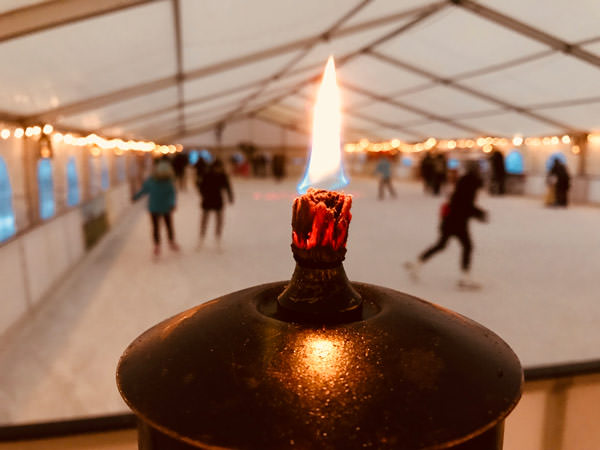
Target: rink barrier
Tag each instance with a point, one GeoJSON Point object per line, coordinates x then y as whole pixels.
{"type": "Point", "coordinates": [37, 259]}
{"type": "Point", "coordinates": [544, 408]}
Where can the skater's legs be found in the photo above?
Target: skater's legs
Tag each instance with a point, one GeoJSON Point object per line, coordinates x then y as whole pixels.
{"type": "Point", "coordinates": [203, 222]}
{"type": "Point", "coordinates": [155, 228]}
{"type": "Point", "coordinates": [169, 224]}
{"type": "Point", "coordinates": [467, 248]}
{"type": "Point", "coordinates": [439, 245]}
{"type": "Point", "coordinates": [391, 187]}
{"type": "Point", "coordinates": [219, 230]}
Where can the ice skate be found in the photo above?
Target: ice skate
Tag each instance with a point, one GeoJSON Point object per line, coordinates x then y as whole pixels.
{"type": "Point", "coordinates": [465, 282]}
{"type": "Point", "coordinates": [412, 268]}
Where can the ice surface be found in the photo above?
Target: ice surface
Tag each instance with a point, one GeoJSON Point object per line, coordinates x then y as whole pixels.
{"type": "Point", "coordinates": [538, 267]}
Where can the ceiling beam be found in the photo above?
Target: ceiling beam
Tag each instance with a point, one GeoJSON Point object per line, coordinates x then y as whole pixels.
{"type": "Point", "coordinates": [394, 126]}
{"type": "Point", "coordinates": [50, 14]}
{"type": "Point", "coordinates": [424, 14]}
{"type": "Point", "coordinates": [529, 31]}
{"type": "Point", "coordinates": [103, 100]}
{"type": "Point", "coordinates": [325, 35]}
{"type": "Point", "coordinates": [414, 109]}
{"type": "Point", "coordinates": [149, 87]}
{"type": "Point", "coordinates": [467, 90]}
{"type": "Point", "coordinates": [176, 8]}
{"type": "Point", "coordinates": [198, 100]}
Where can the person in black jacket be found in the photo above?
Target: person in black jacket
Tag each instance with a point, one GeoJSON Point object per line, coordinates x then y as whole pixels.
{"type": "Point", "coordinates": [561, 181]}
{"type": "Point", "coordinates": [211, 185]}
{"type": "Point", "coordinates": [498, 176]}
{"type": "Point", "coordinates": [454, 222]}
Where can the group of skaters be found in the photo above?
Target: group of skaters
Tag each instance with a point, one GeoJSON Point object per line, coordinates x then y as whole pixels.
{"type": "Point", "coordinates": [456, 212]}
{"type": "Point", "coordinates": [212, 183]}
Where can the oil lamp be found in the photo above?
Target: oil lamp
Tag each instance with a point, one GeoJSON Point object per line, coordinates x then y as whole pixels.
{"type": "Point", "coordinates": [319, 362]}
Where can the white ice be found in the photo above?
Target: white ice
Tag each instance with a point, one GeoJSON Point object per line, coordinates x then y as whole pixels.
{"type": "Point", "coordinates": [538, 268]}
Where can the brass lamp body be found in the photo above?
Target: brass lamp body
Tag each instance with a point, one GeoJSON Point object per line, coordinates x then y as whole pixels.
{"type": "Point", "coordinates": [247, 371]}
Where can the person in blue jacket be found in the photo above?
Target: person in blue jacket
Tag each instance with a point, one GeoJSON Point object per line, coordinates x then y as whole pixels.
{"type": "Point", "coordinates": [161, 201]}
{"type": "Point", "coordinates": [384, 169]}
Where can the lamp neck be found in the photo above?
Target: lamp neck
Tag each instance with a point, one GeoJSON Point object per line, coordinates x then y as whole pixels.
{"type": "Point", "coordinates": [319, 295]}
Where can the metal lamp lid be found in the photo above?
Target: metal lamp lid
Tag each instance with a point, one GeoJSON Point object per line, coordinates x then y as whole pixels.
{"type": "Point", "coordinates": [231, 373]}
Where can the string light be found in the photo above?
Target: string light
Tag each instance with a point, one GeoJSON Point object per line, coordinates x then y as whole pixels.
{"type": "Point", "coordinates": [566, 139]}
{"type": "Point", "coordinates": [48, 129]}
{"type": "Point", "coordinates": [517, 140]}
{"type": "Point", "coordinates": [19, 133]}
{"type": "Point", "coordinates": [5, 134]}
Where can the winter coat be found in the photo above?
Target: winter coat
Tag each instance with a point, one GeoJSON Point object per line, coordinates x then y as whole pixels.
{"type": "Point", "coordinates": [461, 206]}
{"type": "Point", "coordinates": [211, 187]}
{"type": "Point", "coordinates": [161, 194]}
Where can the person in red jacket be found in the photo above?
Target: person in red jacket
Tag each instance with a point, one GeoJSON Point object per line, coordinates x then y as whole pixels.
{"type": "Point", "coordinates": [455, 217]}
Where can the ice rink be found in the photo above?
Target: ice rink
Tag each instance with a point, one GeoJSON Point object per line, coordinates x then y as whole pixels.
{"type": "Point", "coordinates": [538, 267]}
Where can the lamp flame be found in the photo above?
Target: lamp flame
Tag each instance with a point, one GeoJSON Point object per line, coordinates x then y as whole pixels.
{"type": "Point", "coordinates": [325, 170]}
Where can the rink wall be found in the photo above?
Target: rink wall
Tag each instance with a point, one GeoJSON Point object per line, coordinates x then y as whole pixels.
{"type": "Point", "coordinates": [43, 250]}
{"type": "Point", "coordinates": [36, 260]}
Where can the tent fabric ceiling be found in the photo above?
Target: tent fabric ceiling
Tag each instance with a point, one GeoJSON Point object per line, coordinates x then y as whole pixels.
{"type": "Point", "coordinates": [407, 69]}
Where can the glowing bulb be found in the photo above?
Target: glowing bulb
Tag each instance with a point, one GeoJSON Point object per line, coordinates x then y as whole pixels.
{"type": "Point", "coordinates": [575, 149]}
{"type": "Point", "coordinates": [57, 137]}
{"type": "Point", "coordinates": [29, 132]}
{"type": "Point", "coordinates": [45, 152]}
{"type": "Point", "coordinates": [48, 129]}
{"type": "Point", "coordinates": [395, 143]}
{"type": "Point", "coordinates": [5, 134]}
{"type": "Point", "coordinates": [95, 151]}
{"type": "Point", "coordinates": [19, 133]}
{"type": "Point", "coordinates": [566, 139]}
{"type": "Point", "coordinates": [430, 143]}
{"type": "Point", "coordinates": [593, 138]}
{"type": "Point", "coordinates": [451, 144]}
{"type": "Point", "coordinates": [517, 140]}
{"type": "Point", "coordinates": [487, 148]}
{"type": "Point", "coordinates": [325, 162]}
{"type": "Point", "coordinates": [554, 140]}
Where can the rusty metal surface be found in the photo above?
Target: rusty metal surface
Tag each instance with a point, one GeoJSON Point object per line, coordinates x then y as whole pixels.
{"type": "Point", "coordinates": [408, 375]}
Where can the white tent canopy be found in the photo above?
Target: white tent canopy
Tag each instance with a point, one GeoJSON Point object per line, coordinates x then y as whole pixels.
{"type": "Point", "coordinates": [171, 70]}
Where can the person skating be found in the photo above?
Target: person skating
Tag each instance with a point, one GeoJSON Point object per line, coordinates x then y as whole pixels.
{"type": "Point", "coordinates": [384, 168]}
{"type": "Point", "coordinates": [211, 188]}
{"type": "Point", "coordinates": [561, 183]}
{"type": "Point", "coordinates": [498, 173]}
{"type": "Point", "coordinates": [161, 202]}
{"type": "Point", "coordinates": [454, 222]}
{"type": "Point", "coordinates": [180, 163]}
{"type": "Point", "coordinates": [439, 173]}
{"type": "Point", "coordinates": [426, 169]}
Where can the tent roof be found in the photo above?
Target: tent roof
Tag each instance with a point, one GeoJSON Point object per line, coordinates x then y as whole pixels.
{"type": "Point", "coordinates": [408, 69]}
